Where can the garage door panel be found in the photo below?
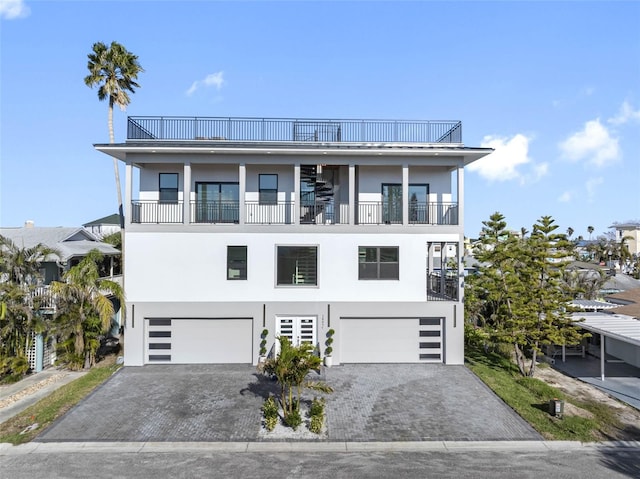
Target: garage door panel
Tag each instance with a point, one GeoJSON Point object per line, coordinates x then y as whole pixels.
{"type": "Point", "coordinates": [193, 341]}
{"type": "Point", "coordinates": [391, 340]}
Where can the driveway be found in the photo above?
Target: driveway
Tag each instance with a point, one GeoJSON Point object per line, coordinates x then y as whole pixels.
{"type": "Point", "coordinates": [381, 402]}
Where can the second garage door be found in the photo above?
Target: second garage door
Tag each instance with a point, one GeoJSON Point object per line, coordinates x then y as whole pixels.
{"type": "Point", "coordinates": [189, 341]}
{"type": "Point", "coordinates": [391, 340]}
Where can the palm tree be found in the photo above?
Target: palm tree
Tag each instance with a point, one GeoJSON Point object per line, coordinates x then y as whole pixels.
{"type": "Point", "coordinates": [590, 230]}
{"type": "Point", "coordinates": [20, 269]}
{"type": "Point", "coordinates": [569, 232]}
{"type": "Point", "coordinates": [115, 70]}
{"type": "Point", "coordinates": [84, 309]}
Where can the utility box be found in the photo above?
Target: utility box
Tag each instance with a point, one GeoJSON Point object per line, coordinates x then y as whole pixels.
{"type": "Point", "coordinates": [556, 407]}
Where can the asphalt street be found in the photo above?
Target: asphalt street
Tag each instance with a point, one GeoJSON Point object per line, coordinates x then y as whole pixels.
{"type": "Point", "coordinates": [473, 461]}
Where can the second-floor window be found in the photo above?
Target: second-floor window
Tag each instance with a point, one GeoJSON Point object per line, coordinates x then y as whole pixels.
{"type": "Point", "coordinates": [297, 265]}
{"type": "Point", "coordinates": [268, 189]}
{"type": "Point", "coordinates": [378, 262]}
{"type": "Point", "coordinates": [236, 262]}
{"type": "Point", "coordinates": [168, 187]}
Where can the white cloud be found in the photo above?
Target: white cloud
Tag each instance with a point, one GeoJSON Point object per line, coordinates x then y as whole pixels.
{"type": "Point", "coordinates": [10, 9]}
{"type": "Point", "coordinates": [625, 114]}
{"type": "Point", "coordinates": [214, 79]}
{"type": "Point", "coordinates": [504, 163]}
{"type": "Point", "coordinates": [593, 144]}
{"type": "Point", "coordinates": [566, 197]}
{"type": "Point", "coordinates": [591, 187]}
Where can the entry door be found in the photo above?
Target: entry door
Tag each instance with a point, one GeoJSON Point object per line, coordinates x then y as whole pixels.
{"type": "Point", "coordinates": [299, 329]}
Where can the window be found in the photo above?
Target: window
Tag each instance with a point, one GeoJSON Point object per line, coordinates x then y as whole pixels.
{"type": "Point", "coordinates": [297, 265]}
{"type": "Point", "coordinates": [268, 189]}
{"type": "Point", "coordinates": [236, 262]}
{"type": "Point", "coordinates": [168, 187]}
{"type": "Point", "coordinates": [376, 262]}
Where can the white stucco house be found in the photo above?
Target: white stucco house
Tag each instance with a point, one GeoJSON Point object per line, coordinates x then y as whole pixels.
{"type": "Point", "coordinates": [237, 225]}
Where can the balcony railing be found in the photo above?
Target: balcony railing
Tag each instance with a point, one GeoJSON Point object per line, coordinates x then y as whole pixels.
{"type": "Point", "coordinates": [433, 213]}
{"type": "Point", "coordinates": [282, 212]}
{"type": "Point", "coordinates": [324, 213]}
{"type": "Point", "coordinates": [153, 211]}
{"type": "Point", "coordinates": [292, 130]}
{"type": "Point", "coordinates": [442, 289]}
{"type": "Point", "coordinates": [215, 211]}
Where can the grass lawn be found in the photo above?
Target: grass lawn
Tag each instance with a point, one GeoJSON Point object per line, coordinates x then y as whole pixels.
{"type": "Point", "coordinates": [530, 397]}
{"type": "Point", "coordinates": [47, 410]}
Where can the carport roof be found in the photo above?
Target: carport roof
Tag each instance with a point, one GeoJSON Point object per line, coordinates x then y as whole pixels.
{"type": "Point", "coordinates": [617, 326]}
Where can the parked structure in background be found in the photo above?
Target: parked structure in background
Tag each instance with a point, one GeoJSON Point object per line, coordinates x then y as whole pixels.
{"type": "Point", "coordinates": [294, 226]}
{"type": "Point", "coordinates": [71, 244]}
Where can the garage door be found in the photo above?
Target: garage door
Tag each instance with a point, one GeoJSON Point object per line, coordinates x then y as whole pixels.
{"type": "Point", "coordinates": [189, 341]}
{"type": "Point", "coordinates": [391, 340]}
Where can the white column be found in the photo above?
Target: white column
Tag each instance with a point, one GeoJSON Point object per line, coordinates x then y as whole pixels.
{"type": "Point", "coordinates": [242, 186]}
{"type": "Point", "coordinates": [602, 348]}
{"type": "Point", "coordinates": [186, 194]}
{"type": "Point", "coordinates": [461, 195]}
{"type": "Point", "coordinates": [128, 194]}
{"type": "Point", "coordinates": [352, 194]}
{"type": "Point", "coordinates": [296, 194]}
{"type": "Point", "coordinates": [405, 194]}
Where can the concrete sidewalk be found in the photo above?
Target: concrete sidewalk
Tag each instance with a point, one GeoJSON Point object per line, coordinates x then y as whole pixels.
{"type": "Point", "coordinates": [309, 446]}
{"type": "Point", "coordinates": [16, 397]}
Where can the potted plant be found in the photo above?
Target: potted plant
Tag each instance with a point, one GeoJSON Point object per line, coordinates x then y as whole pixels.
{"type": "Point", "coordinates": [328, 350]}
{"type": "Point", "coordinates": [263, 346]}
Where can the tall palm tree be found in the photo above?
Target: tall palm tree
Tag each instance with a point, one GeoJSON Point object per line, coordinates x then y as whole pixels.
{"type": "Point", "coordinates": [590, 230]}
{"type": "Point", "coordinates": [114, 70]}
{"type": "Point", "coordinates": [84, 309]}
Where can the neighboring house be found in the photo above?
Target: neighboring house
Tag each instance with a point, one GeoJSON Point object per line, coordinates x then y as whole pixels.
{"type": "Point", "coordinates": [631, 230]}
{"type": "Point", "coordinates": [104, 226]}
{"type": "Point", "coordinates": [72, 244]}
{"type": "Point", "coordinates": [297, 227]}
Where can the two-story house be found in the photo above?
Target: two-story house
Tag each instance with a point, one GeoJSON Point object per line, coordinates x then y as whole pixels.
{"type": "Point", "coordinates": [237, 225]}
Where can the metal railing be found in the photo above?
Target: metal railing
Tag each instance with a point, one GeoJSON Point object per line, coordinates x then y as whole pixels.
{"type": "Point", "coordinates": [324, 213]}
{"type": "Point", "coordinates": [280, 213]}
{"type": "Point", "coordinates": [156, 212]}
{"type": "Point", "coordinates": [215, 211]}
{"type": "Point", "coordinates": [433, 213]}
{"type": "Point", "coordinates": [442, 289]}
{"type": "Point", "coordinates": [292, 130]}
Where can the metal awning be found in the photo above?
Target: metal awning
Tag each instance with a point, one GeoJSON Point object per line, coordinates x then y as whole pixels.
{"type": "Point", "coordinates": [616, 326]}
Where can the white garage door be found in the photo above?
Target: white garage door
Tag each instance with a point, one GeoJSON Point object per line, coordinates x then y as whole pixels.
{"type": "Point", "coordinates": [189, 341]}
{"type": "Point", "coordinates": [391, 340]}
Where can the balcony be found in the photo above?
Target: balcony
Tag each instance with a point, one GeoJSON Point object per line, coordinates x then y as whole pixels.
{"type": "Point", "coordinates": [283, 213]}
{"type": "Point", "coordinates": [292, 130]}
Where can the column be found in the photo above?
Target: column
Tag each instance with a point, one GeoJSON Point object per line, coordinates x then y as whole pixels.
{"type": "Point", "coordinates": [186, 194]}
{"type": "Point", "coordinates": [296, 194]}
{"type": "Point", "coordinates": [405, 194]}
{"type": "Point", "coordinates": [242, 187]}
{"type": "Point", "coordinates": [128, 193]}
{"type": "Point", "coordinates": [461, 194]}
{"type": "Point", "coordinates": [352, 194]}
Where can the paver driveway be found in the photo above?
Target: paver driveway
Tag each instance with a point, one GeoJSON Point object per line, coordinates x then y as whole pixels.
{"type": "Point", "coordinates": [371, 402]}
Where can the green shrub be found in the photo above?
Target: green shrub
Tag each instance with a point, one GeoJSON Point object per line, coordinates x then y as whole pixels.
{"type": "Point", "coordinates": [316, 423]}
{"type": "Point", "coordinates": [317, 407]}
{"type": "Point", "coordinates": [293, 419]}
{"type": "Point", "coordinates": [270, 407]}
{"type": "Point", "coordinates": [270, 423]}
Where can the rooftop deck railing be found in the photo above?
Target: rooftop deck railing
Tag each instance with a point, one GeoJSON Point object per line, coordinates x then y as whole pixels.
{"type": "Point", "coordinates": [175, 128]}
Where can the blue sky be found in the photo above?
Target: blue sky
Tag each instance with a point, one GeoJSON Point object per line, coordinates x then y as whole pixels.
{"type": "Point", "coordinates": [554, 87]}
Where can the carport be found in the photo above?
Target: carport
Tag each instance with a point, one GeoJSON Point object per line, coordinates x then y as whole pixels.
{"type": "Point", "coordinates": [620, 328]}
